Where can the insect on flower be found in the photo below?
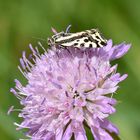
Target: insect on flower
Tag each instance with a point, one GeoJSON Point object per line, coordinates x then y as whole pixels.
{"type": "Point", "coordinates": [68, 94]}
{"type": "Point", "coordinates": [84, 39]}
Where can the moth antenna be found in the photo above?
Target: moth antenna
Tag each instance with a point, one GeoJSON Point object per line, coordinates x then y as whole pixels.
{"type": "Point", "coordinates": [68, 28]}
{"type": "Point", "coordinates": [53, 30]}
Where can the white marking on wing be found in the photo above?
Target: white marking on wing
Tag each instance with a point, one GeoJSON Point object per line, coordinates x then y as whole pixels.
{"type": "Point", "coordinates": [94, 45]}
{"type": "Point", "coordinates": [70, 35]}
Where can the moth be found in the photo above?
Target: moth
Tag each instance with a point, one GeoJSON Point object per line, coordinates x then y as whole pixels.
{"type": "Point", "coordinates": [84, 39]}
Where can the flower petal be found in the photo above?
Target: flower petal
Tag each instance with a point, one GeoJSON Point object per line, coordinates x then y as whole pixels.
{"type": "Point", "coordinates": [109, 126]}
{"type": "Point", "coordinates": [119, 51]}
{"type": "Point", "coordinates": [68, 133]}
{"type": "Point", "coordinates": [100, 134]}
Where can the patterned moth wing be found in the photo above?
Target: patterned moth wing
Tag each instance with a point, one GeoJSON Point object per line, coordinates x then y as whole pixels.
{"type": "Point", "coordinates": [85, 39]}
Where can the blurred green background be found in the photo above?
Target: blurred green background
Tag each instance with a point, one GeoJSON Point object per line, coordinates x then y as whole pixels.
{"type": "Point", "coordinates": [23, 21]}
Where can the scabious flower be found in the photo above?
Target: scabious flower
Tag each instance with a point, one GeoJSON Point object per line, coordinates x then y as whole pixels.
{"type": "Point", "coordinates": [69, 90]}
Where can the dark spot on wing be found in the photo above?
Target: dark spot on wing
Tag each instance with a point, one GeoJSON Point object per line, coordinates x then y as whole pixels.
{"type": "Point", "coordinates": [82, 44]}
{"type": "Point", "coordinates": [97, 43]}
{"type": "Point", "coordinates": [90, 45]}
{"type": "Point", "coordinates": [90, 39]}
{"type": "Point", "coordinates": [75, 44]}
{"type": "Point", "coordinates": [84, 35]}
{"type": "Point", "coordinates": [77, 40]}
{"type": "Point", "coordinates": [86, 40]}
{"type": "Point", "coordinates": [103, 43]}
{"type": "Point", "coordinates": [97, 37]}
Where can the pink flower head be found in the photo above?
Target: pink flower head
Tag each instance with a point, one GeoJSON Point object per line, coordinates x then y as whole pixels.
{"type": "Point", "coordinates": [68, 90]}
